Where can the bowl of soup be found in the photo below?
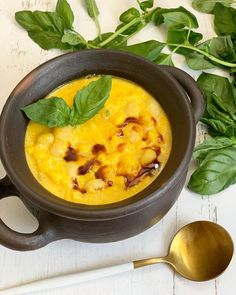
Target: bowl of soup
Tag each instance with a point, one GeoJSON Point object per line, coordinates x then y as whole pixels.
{"type": "Point", "coordinates": [113, 176]}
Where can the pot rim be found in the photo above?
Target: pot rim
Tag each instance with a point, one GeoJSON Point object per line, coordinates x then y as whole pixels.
{"type": "Point", "coordinates": [100, 212]}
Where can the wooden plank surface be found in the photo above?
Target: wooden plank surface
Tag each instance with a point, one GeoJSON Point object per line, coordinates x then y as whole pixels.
{"type": "Point", "coordinates": [18, 56]}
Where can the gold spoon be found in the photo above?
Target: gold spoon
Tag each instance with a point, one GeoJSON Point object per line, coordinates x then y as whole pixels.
{"type": "Point", "coordinates": [200, 251]}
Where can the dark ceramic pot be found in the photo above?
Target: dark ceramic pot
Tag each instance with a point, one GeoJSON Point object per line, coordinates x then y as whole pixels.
{"type": "Point", "coordinates": [178, 94]}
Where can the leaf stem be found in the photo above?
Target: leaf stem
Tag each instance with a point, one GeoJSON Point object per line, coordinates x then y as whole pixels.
{"type": "Point", "coordinates": [89, 46]}
{"type": "Point", "coordinates": [209, 56]}
{"type": "Point", "coordinates": [129, 36]}
{"type": "Point", "coordinates": [97, 23]}
{"type": "Point", "coordinates": [120, 31]}
{"type": "Point", "coordinates": [124, 28]}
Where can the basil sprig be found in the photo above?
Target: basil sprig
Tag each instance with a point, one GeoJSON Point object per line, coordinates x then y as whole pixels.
{"type": "Point", "coordinates": [54, 111]}
{"type": "Point", "coordinates": [216, 156]}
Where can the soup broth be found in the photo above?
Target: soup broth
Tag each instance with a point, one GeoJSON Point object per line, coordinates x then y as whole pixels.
{"type": "Point", "coordinates": [109, 158]}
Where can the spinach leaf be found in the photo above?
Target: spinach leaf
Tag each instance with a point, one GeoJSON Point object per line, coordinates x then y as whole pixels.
{"type": "Point", "coordinates": [158, 15]}
{"type": "Point", "coordinates": [53, 112]}
{"type": "Point", "coordinates": [225, 20]}
{"type": "Point", "coordinates": [207, 6]}
{"type": "Point", "coordinates": [129, 15]}
{"type": "Point", "coordinates": [116, 42]}
{"type": "Point", "coordinates": [216, 143]}
{"type": "Point", "coordinates": [216, 172]}
{"type": "Point", "coordinates": [178, 20]}
{"type": "Point", "coordinates": [44, 28]}
{"type": "Point", "coordinates": [144, 5]}
{"type": "Point", "coordinates": [64, 11]}
{"type": "Point", "coordinates": [164, 59]}
{"type": "Point", "coordinates": [90, 100]}
{"type": "Point", "coordinates": [221, 87]}
{"type": "Point", "coordinates": [150, 49]}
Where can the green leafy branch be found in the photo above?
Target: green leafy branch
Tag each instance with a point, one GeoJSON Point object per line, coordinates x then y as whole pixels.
{"type": "Point", "coordinates": [55, 30]}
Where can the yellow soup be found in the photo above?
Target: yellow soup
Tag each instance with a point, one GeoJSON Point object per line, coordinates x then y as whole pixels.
{"type": "Point", "coordinates": [111, 157]}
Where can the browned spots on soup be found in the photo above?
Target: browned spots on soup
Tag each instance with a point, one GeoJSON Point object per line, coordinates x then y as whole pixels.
{"type": "Point", "coordinates": [71, 154]}
{"type": "Point", "coordinates": [84, 169]}
{"type": "Point", "coordinates": [76, 186]}
{"type": "Point", "coordinates": [100, 173]}
{"type": "Point", "coordinates": [120, 133]}
{"type": "Point", "coordinates": [98, 148]}
{"type": "Point", "coordinates": [144, 171]}
{"type": "Point", "coordinates": [128, 121]}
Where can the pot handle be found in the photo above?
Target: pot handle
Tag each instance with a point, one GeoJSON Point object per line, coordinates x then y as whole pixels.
{"type": "Point", "coordinates": [45, 234]}
{"type": "Point", "coordinates": [191, 88]}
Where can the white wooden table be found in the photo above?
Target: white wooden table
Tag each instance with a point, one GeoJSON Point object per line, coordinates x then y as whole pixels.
{"type": "Point", "coordinates": [18, 56]}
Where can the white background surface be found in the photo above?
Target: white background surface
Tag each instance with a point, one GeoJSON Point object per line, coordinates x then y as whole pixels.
{"type": "Point", "coordinates": [18, 56]}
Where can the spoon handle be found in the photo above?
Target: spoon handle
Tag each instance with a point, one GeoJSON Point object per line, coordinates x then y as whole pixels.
{"type": "Point", "coordinates": [67, 280]}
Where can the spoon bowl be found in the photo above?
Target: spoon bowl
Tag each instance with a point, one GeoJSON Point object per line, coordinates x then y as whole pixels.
{"type": "Point", "coordinates": [200, 251]}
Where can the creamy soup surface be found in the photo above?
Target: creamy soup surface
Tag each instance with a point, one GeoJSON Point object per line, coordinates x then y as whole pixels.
{"type": "Point", "coordinates": [111, 157]}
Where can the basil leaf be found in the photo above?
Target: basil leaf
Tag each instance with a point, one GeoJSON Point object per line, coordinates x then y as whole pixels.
{"type": "Point", "coordinates": [93, 12]}
{"type": "Point", "coordinates": [217, 112]}
{"type": "Point", "coordinates": [221, 47]}
{"type": "Point", "coordinates": [92, 8]}
{"type": "Point", "coordinates": [52, 112]}
{"type": "Point", "coordinates": [180, 37]}
{"type": "Point", "coordinates": [225, 20]}
{"type": "Point", "coordinates": [144, 5]}
{"type": "Point", "coordinates": [131, 30]}
{"type": "Point", "coordinates": [218, 127]}
{"type": "Point", "coordinates": [164, 59]}
{"type": "Point", "coordinates": [221, 87]}
{"type": "Point", "coordinates": [48, 40]}
{"type": "Point", "coordinates": [158, 15]}
{"type": "Point", "coordinates": [208, 6]}
{"type": "Point", "coordinates": [196, 62]}
{"type": "Point", "coordinates": [216, 172]}
{"type": "Point", "coordinates": [178, 20]}
{"type": "Point", "coordinates": [220, 114]}
{"type": "Point", "coordinates": [90, 100]}
{"type": "Point", "coordinates": [73, 39]}
{"type": "Point", "coordinates": [39, 21]}
{"type": "Point", "coordinates": [116, 42]}
{"type": "Point", "coordinates": [44, 28]}
{"type": "Point", "coordinates": [150, 49]}
{"type": "Point", "coordinates": [129, 15]}
{"type": "Point", "coordinates": [217, 143]}
{"type": "Point", "coordinates": [64, 10]}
